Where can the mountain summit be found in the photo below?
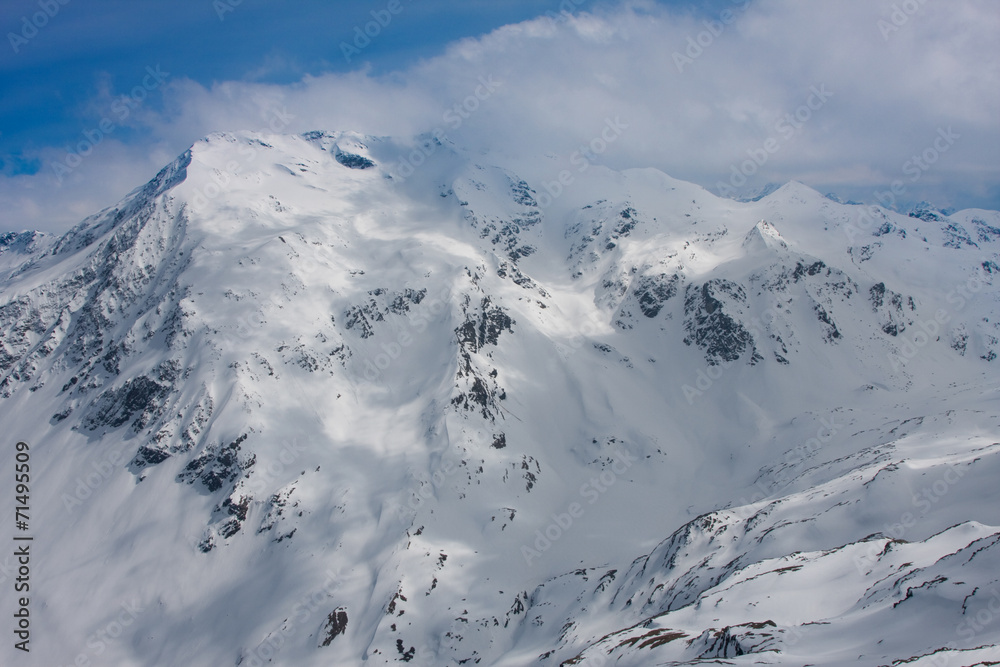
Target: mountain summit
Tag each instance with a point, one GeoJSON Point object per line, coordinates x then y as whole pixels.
{"type": "Point", "coordinates": [337, 399]}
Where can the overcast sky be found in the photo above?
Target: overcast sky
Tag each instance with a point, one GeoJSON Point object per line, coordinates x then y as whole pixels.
{"type": "Point", "coordinates": [846, 96]}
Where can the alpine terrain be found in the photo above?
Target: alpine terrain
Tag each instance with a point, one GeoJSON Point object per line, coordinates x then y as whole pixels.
{"type": "Point", "coordinates": [332, 399]}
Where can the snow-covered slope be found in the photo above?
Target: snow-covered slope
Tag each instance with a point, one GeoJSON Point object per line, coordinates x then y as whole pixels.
{"type": "Point", "coordinates": [335, 399]}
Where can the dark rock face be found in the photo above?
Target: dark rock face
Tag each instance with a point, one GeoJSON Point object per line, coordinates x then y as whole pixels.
{"type": "Point", "coordinates": [485, 328]}
{"type": "Point", "coordinates": [336, 624]}
{"type": "Point", "coordinates": [654, 291]}
{"type": "Point", "coordinates": [482, 328]}
{"type": "Point", "coordinates": [149, 456]}
{"type": "Point", "coordinates": [217, 466]}
{"type": "Point", "coordinates": [506, 233]}
{"type": "Point", "coordinates": [381, 303]}
{"type": "Point", "coordinates": [987, 233]}
{"type": "Point", "coordinates": [23, 243]}
{"type": "Point", "coordinates": [352, 161]}
{"type": "Point", "coordinates": [891, 306]}
{"type": "Point", "coordinates": [832, 332]}
{"type": "Point", "coordinates": [600, 232]}
{"type": "Point", "coordinates": [622, 228]}
{"type": "Point", "coordinates": [889, 228]}
{"type": "Point", "coordinates": [139, 397]}
{"type": "Point", "coordinates": [957, 236]}
{"type": "Point", "coordinates": [510, 270]}
{"type": "Point", "coordinates": [808, 270]}
{"type": "Point", "coordinates": [709, 326]}
{"type": "Point", "coordinates": [406, 655]}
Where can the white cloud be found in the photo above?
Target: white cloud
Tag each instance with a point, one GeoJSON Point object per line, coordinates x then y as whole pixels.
{"type": "Point", "coordinates": [560, 81]}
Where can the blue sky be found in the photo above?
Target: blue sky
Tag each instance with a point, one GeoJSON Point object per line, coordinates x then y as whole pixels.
{"type": "Point", "coordinates": [69, 66]}
{"type": "Point", "coordinates": [50, 82]}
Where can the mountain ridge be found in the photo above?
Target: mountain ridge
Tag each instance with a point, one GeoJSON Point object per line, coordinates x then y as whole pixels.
{"type": "Point", "coordinates": [332, 404]}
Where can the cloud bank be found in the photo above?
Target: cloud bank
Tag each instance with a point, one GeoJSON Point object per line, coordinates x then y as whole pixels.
{"type": "Point", "coordinates": [847, 97]}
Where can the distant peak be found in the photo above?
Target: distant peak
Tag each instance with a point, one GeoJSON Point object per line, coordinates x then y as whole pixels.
{"type": "Point", "coordinates": [798, 189]}
{"type": "Point", "coordinates": [759, 193]}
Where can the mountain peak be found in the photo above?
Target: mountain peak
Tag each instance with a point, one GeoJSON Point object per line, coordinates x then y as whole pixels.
{"type": "Point", "coordinates": [797, 189]}
{"type": "Point", "coordinates": [763, 236]}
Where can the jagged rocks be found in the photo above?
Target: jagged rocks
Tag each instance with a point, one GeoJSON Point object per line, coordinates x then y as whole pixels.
{"type": "Point", "coordinates": [520, 211]}
{"type": "Point", "coordinates": [957, 236]}
{"type": "Point", "coordinates": [987, 233]}
{"type": "Point", "coordinates": [831, 332]}
{"type": "Point", "coordinates": [734, 641]}
{"type": "Point", "coordinates": [604, 227]}
{"type": "Point", "coordinates": [889, 228]}
{"type": "Point", "coordinates": [624, 225]}
{"type": "Point", "coordinates": [891, 306]}
{"type": "Point", "coordinates": [336, 624]}
{"type": "Point", "coordinates": [217, 466]}
{"type": "Point", "coordinates": [22, 243]}
{"type": "Point", "coordinates": [510, 270]}
{"type": "Point", "coordinates": [709, 324]}
{"type": "Point", "coordinates": [352, 161]}
{"type": "Point", "coordinates": [381, 302]}
{"type": "Point", "coordinates": [482, 327]}
{"type": "Point", "coordinates": [654, 291]}
{"type": "Point", "coordinates": [236, 508]}
{"type": "Point", "coordinates": [139, 400]}
{"type": "Point", "coordinates": [149, 456]}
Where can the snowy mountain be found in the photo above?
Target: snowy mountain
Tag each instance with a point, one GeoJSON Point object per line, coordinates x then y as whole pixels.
{"type": "Point", "coordinates": [339, 400]}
